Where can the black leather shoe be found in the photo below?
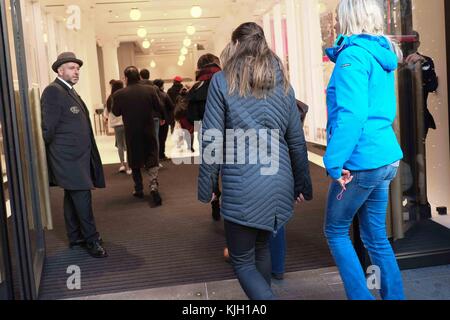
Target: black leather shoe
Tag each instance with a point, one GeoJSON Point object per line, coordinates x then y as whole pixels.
{"type": "Point", "coordinates": [157, 201]}
{"type": "Point", "coordinates": [96, 250]}
{"type": "Point", "coordinates": [77, 243]}
{"type": "Point", "coordinates": [138, 194]}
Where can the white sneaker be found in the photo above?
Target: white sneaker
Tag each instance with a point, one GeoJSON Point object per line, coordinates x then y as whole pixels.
{"type": "Point", "coordinates": [122, 169]}
{"type": "Point", "coordinates": [161, 166]}
{"type": "Point", "coordinates": [129, 172]}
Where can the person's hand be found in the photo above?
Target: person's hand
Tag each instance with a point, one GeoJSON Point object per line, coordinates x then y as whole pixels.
{"type": "Point", "coordinates": [345, 179]}
{"type": "Point", "coordinates": [300, 199]}
{"type": "Point", "coordinates": [162, 122]}
{"type": "Point", "coordinates": [414, 58]}
{"type": "Point", "coordinates": [213, 197]}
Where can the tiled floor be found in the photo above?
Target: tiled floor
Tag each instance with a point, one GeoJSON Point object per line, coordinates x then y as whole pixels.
{"type": "Point", "coordinates": [322, 284]}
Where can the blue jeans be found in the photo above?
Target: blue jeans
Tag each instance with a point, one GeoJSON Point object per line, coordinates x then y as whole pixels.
{"type": "Point", "coordinates": [278, 251]}
{"type": "Point", "coordinates": [367, 195]}
{"type": "Point", "coordinates": [250, 256]}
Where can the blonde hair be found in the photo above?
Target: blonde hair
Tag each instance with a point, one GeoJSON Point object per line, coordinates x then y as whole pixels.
{"type": "Point", "coordinates": [364, 17]}
{"type": "Point", "coordinates": [249, 65]}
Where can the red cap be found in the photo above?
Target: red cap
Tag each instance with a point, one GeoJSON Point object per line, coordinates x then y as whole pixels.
{"type": "Point", "coordinates": [178, 78]}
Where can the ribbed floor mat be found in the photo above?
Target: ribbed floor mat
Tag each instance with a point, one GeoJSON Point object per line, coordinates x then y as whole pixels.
{"type": "Point", "coordinates": [175, 244]}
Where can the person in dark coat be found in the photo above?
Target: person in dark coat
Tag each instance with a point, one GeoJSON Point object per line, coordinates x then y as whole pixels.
{"type": "Point", "coordinates": [159, 122]}
{"type": "Point", "coordinates": [207, 65]}
{"type": "Point", "coordinates": [169, 109]}
{"type": "Point", "coordinates": [430, 81]}
{"type": "Point", "coordinates": [145, 77]}
{"type": "Point", "coordinates": [250, 97]}
{"type": "Point", "coordinates": [74, 162]}
{"type": "Point", "coordinates": [175, 89]}
{"type": "Point", "coordinates": [137, 104]}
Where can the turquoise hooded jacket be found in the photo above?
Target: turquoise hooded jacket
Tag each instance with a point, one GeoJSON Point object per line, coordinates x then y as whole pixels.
{"type": "Point", "coordinates": [361, 104]}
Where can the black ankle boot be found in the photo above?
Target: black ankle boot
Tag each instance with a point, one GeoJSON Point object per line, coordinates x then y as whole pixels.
{"type": "Point", "coordinates": [157, 201]}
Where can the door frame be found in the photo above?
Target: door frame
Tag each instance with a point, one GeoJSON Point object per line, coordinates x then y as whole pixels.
{"type": "Point", "coordinates": [447, 37]}
{"type": "Point", "coordinates": [27, 269]}
{"type": "Point", "coordinates": [6, 287]}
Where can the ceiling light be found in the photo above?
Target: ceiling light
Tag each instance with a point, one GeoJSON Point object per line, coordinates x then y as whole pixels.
{"type": "Point", "coordinates": [180, 63]}
{"type": "Point", "coordinates": [187, 42]}
{"type": "Point", "coordinates": [190, 30]}
{"type": "Point", "coordinates": [196, 11]}
{"type": "Point", "coordinates": [153, 64]}
{"type": "Point", "coordinates": [146, 44]}
{"type": "Point", "coordinates": [184, 51]}
{"type": "Point", "coordinates": [182, 58]}
{"type": "Point", "coordinates": [142, 32]}
{"type": "Point", "coordinates": [135, 14]}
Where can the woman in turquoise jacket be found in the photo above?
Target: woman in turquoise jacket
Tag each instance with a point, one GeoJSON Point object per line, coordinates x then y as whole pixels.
{"type": "Point", "coordinates": [363, 153]}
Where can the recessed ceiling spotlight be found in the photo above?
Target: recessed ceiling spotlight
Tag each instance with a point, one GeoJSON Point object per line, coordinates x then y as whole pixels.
{"type": "Point", "coordinates": [135, 14]}
{"type": "Point", "coordinates": [142, 32]}
{"type": "Point", "coordinates": [190, 30]}
{"type": "Point", "coordinates": [196, 11]}
{"type": "Point", "coordinates": [187, 42]}
{"type": "Point", "coordinates": [146, 44]}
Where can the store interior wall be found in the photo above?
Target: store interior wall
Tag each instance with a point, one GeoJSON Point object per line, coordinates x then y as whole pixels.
{"type": "Point", "coordinates": [166, 66]}
{"type": "Point", "coordinates": [433, 44]}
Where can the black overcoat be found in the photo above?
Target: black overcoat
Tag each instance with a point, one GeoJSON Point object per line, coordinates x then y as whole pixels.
{"type": "Point", "coordinates": [138, 105]}
{"type": "Point", "coordinates": [73, 159]}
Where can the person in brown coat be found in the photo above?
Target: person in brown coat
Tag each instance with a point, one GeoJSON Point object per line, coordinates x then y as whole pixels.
{"type": "Point", "coordinates": [138, 104]}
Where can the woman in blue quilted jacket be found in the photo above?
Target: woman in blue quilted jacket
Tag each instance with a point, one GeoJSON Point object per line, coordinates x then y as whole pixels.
{"type": "Point", "coordinates": [363, 154]}
{"type": "Point", "coordinates": [253, 137]}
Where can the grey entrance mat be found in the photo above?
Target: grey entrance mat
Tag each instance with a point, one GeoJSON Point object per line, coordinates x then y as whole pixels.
{"type": "Point", "coordinates": [175, 244]}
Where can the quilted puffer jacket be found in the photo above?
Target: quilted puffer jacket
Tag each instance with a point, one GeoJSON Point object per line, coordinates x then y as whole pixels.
{"type": "Point", "coordinates": [250, 196]}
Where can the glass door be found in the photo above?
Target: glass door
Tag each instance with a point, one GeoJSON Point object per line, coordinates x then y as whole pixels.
{"type": "Point", "coordinates": [421, 236]}
{"type": "Point", "coordinates": [5, 267]}
{"type": "Point", "coordinates": [21, 158]}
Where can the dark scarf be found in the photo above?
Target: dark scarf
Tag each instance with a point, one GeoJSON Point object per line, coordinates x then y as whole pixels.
{"type": "Point", "coordinates": [207, 72]}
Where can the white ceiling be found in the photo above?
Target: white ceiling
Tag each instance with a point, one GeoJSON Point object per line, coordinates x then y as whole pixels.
{"type": "Point", "coordinates": [165, 20]}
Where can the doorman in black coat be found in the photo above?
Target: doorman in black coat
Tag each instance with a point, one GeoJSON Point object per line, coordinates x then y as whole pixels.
{"type": "Point", "coordinates": [74, 162]}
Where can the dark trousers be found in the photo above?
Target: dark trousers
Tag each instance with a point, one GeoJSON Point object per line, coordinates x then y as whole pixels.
{"type": "Point", "coordinates": [153, 177]}
{"type": "Point", "coordinates": [78, 215]}
{"type": "Point", "coordinates": [137, 178]}
{"type": "Point", "coordinates": [250, 256]}
{"type": "Point", "coordinates": [163, 132]}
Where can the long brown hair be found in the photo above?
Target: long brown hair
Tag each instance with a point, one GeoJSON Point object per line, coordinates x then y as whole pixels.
{"type": "Point", "coordinates": [250, 66]}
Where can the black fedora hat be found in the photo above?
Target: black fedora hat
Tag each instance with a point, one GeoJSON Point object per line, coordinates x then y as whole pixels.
{"type": "Point", "coordinates": [66, 57]}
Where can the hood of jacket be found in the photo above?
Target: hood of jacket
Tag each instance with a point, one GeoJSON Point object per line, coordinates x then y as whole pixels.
{"type": "Point", "coordinates": [378, 46]}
